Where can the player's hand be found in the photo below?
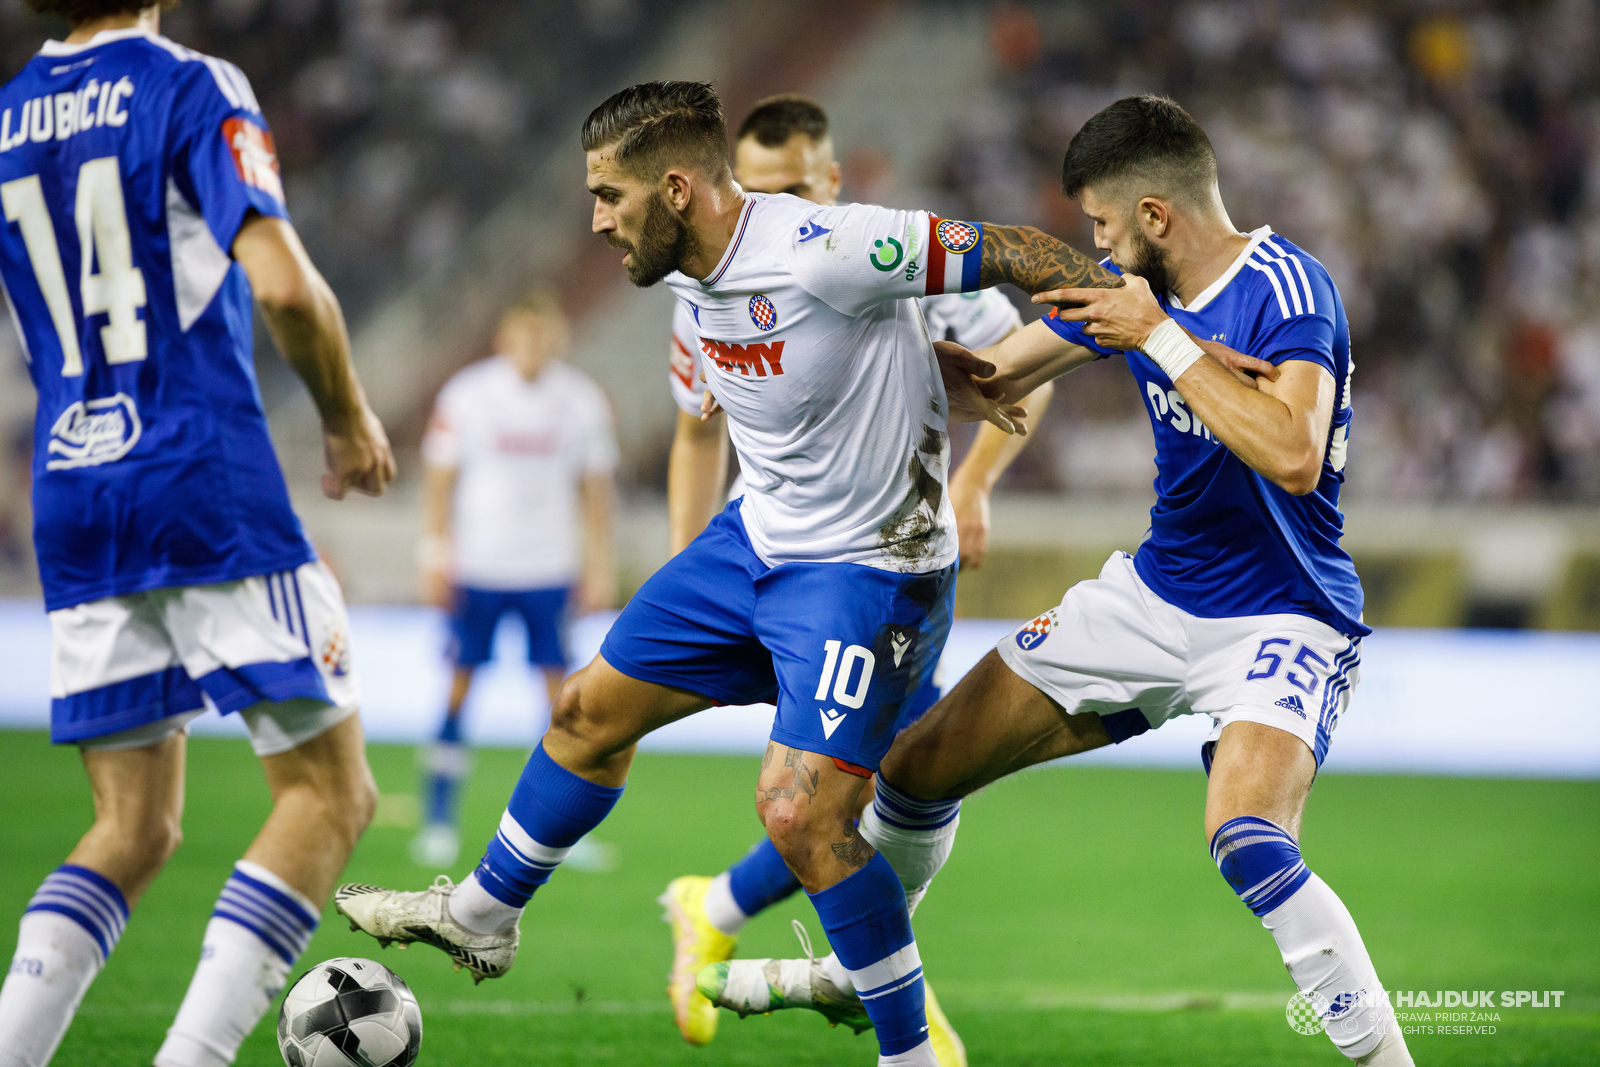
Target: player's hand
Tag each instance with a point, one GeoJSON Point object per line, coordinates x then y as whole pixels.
{"type": "Point", "coordinates": [709, 406]}
{"type": "Point", "coordinates": [1124, 318]}
{"type": "Point", "coordinates": [1116, 318]}
{"type": "Point", "coordinates": [358, 457]}
{"type": "Point", "coordinates": [971, 503]}
{"type": "Point", "coordinates": [971, 398]}
{"type": "Point", "coordinates": [1248, 369]}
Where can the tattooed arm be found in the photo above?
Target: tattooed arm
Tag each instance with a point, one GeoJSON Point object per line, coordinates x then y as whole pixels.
{"type": "Point", "coordinates": [1034, 262]}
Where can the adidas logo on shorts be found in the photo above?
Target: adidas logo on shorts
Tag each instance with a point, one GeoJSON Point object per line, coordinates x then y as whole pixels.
{"type": "Point", "coordinates": [1291, 702]}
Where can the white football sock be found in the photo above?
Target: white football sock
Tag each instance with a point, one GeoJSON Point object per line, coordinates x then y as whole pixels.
{"type": "Point", "coordinates": [916, 854]}
{"type": "Point", "coordinates": [837, 972]}
{"type": "Point", "coordinates": [722, 911]}
{"type": "Point", "coordinates": [474, 907]}
{"type": "Point", "coordinates": [56, 960]}
{"type": "Point", "coordinates": [1391, 1052]}
{"type": "Point", "coordinates": [921, 1056]}
{"type": "Point", "coordinates": [1325, 956]}
{"type": "Point", "coordinates": [260, 926]}
{"type": "Point", "coordinates": [69, 928]}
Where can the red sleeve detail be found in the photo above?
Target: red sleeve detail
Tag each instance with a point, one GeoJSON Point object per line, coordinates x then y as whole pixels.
{"type": "Point", "coordinates": [935, 285]}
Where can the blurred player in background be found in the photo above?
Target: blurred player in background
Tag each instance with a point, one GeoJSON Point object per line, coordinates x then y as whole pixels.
{"type": "Point", "coordinates": [783, 146]}
{"type": "Point", "coordinates": [518, 497]}
{"type": "Point", "coordinates": [1240, 604]}
{"type": "Point", "coordinates": [142, 211]}
{"type": "Point", "coordinates": [827, 588]}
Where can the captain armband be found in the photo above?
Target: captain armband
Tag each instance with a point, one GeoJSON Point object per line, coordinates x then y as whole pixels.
{"type": "Point", "coordinates": [1173, 350]}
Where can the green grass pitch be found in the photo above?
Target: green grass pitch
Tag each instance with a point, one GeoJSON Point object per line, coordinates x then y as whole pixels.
{"type": "Point", "coordinates": [1080, 920]}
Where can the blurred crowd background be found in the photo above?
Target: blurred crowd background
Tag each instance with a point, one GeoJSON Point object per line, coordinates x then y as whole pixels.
{"type": "Point", "coordinates": [1441, 158]}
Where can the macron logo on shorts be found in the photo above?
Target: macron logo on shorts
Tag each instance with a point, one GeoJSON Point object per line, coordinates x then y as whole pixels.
{"type": "Point", "coordinates": [830, 721]}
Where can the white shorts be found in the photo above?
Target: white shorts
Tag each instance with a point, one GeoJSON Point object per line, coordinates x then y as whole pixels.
{"type": "Point", "coordinates": [1116, 648]}
{"type": "Point", "coordinates": [129, 671]}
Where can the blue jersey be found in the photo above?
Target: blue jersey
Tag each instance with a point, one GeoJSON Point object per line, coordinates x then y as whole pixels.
{"type": "Point", "coordinates": [1225, 541]}
{"type": "Point", "coordinates": [127, 166]}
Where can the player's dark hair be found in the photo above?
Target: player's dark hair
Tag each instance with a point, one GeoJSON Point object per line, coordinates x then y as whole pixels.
{"type": "Point", "coordinates": [77, 12]}
{"type": "Point", "coordinates": [778, 118]}
{"type": "Point", "coordinates": [1147, 138]}
{"type": "Point", "coordinates": [655, 125]}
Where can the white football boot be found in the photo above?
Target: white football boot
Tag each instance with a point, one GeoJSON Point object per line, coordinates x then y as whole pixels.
{"type": "Point", "coordinates": [757, 987]}
{"type": "Point", "coordinates": [752, 987]}
{"type": "Point", "coordinates": [399, 918]}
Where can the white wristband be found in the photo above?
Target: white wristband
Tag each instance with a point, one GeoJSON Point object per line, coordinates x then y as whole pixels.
{"type": "Point", "coordinates": [1171, 349]}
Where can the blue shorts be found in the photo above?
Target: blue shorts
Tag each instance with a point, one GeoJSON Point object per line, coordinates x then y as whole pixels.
{"type": "Point", "coordinates": [847, 652]}
{"type": "Point", "coordinates": [478, 611]}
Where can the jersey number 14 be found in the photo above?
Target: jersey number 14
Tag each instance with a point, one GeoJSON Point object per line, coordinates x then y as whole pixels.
{"type": "Point", "coordinates": [116, 289]}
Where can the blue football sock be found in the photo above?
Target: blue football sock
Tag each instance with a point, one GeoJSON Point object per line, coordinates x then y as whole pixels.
{"type": "Point", "coordinates": [447, 766]}
{"type": "Point", "coordinates": [761, 879]}
{"type": "Point", "coordinates": [550, 809]}
{"type": "Point", "coordinates": [870, 930]}
{"type": "Point", "coordinates": [1260, 861]}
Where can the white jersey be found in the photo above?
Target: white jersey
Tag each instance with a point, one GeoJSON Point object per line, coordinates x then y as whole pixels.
{"type": "Point", "coordinates": [834, 400]}
{"type": "Point", "coordinates": [972, 320]}
{"type": "Point", "coordinates": [521, 449]}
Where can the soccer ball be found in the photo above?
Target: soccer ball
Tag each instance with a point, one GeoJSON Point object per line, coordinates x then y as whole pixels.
{"type": "Point", "coordinates": [349, 1013]}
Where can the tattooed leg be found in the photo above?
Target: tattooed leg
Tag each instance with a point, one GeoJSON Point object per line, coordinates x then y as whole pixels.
{"type": "Point", "coordinates": [808, 806]}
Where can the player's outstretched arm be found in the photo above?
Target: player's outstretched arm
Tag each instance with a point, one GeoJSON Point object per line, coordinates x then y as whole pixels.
{"type": "Point", "coordinates": [1028, 358]}
{"type": "Point", "coordinates": [696, 469]}
{"type": "Point", "coordinates": [1033, 261]}
{"type": "Point", "coordinates": [1277, 423]}
{"type": "Point", "coordinates": [306, 323]}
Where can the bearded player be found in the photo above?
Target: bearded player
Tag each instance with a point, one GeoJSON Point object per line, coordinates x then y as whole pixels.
{"type": "Point", "coordinates": [783, 146]}
{"type": "Point", "coordinates": [142, 213]}
{"type": "Point", "coordinates": [1240, 605]}
{"type": "Point", "coordinates": [826, 588]}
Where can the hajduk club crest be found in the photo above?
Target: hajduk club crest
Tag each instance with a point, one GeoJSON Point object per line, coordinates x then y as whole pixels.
{"type": "Point", "coordinates": [763, 314]}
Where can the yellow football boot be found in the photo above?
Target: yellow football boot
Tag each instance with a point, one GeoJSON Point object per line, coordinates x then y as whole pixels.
{"type": "Point", "coordinates": [947, 1046]}
{"type": "Point", "coordinates": [696, 944]}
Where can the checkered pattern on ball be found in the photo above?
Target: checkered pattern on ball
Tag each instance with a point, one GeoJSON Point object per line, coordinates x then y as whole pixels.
{"type": "Point", "coordinates": [956, 236]}
{"type": "Point", "coordinates": [349, 1013]}
{"type": "Point", "coordinates": [1303, 1015]}
{"type": "Point", "coordinates": [762, 313]}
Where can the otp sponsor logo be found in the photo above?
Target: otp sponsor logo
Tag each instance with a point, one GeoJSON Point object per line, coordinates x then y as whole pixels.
{"type": "Point", "coordinates": [1032, 635]}
{"type": "Point", "coordinates": [757, 357]}
{"type": "Point", "coordinates": [255, 155]}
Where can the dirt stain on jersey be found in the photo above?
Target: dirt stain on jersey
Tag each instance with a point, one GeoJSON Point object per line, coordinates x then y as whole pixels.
{"type": "Point", "coordinates": [912, 532]}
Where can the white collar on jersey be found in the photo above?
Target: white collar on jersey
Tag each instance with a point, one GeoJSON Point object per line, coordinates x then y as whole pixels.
{"type": "Point", "coordinates": [62, 48]}
{"type": "Point", "coordinates": [1210, 292]}
{"type": "Point", "coordinates": [711, 279]}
